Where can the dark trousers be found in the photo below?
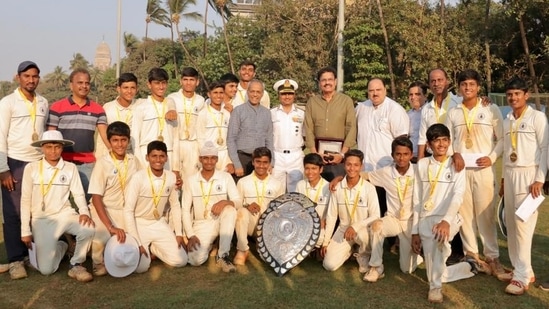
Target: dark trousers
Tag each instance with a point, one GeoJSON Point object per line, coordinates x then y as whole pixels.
{"type": "Point", "coordinates": [11, 206]}
{"type": "Point", "coordinates": [246, 162]}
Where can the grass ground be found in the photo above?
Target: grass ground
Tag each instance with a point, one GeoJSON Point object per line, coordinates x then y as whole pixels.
{"type": "Point", "coordinates": [256, 285]}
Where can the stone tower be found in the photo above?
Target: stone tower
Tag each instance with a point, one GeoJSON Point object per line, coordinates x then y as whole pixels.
{"type": "Point", "coordinates": [102, 58]}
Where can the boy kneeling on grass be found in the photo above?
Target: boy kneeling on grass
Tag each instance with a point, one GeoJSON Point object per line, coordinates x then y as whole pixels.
{"type": "Point", "coordinates": [46, 211]}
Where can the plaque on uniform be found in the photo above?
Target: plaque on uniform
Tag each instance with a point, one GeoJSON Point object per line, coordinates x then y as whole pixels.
{"type": "Point", "coordinates": [287, 231]}
{"type": "Point", "coordinates": [328, 145]}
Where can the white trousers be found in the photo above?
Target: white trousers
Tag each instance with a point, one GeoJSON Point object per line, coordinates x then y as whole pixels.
{"type": "Point", "coordinates": [479, 212]}
{"type": "Point", "coordinates": [288, 168]}
{"type": "Point", "coordinates": [49, 250]}
{"type": "Point", "coordinates": [519, 233]}
{"type": "Point", "coordinates": [102, 234]}
{"type": "Point", "coordinates": [389, 226]}
{"type": "Point", "coordinates": [188, 157]}
{"type": "Point", "coordinates": [208, 230]}
{"type": "Point", "coordinates": [435, 254]}
{"type": "Point", "coordinates": [245, 226]}
{"type": "Point", "coordinates": [339, 249]}
{"type": "Point", "coordinates": [222, 160]}
{"type": "Point", "coordinates": [161, 238]}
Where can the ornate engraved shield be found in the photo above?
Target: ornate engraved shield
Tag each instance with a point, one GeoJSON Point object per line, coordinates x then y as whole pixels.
{"type": "Point", "coordinates": [501, 217]}
{"type": "Point", "coordinates": [287, 231]}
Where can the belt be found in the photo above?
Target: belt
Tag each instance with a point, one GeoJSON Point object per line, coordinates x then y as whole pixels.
{"type": "Point", "coordinates": [288, 150]}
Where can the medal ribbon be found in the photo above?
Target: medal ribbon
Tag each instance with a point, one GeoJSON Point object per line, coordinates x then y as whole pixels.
{"type": "Point", "coordinates": [187, 111]}
{"type": "Point", "coordinates": [514, 130]}
{"type": "Point", "coordinates": [217, 124]}
{"type": "Point", "coordinates": [206, 199]}
{"type": "Point", "coordinates": [355, 204]}
{"type": "Point", "coordinates": [402, 195]}
{"type": "Point", "coordinates": [444, 105]}
{"type": "Point", "coordinates": [319, 185]}
{"type": "Point", "coordinates": [433, 182]}
{"type": "Point", "coordinates": [241, 96]}
{"type": "Point", "coordinates": [468, 118]}
{"type": "Point", "coordinates": [160, 117]}
{"type": "Point", "coordinates": [122, 174]}
{"type": "Point", "coordinates": [158, 194]}
{"type": "Point", "coordinates": [31, 106]}
{"type": "Point", "coordinates": [46, 189]}
{"type": "Point", "coordinates": [128, 115]}
{"type": "Point", "coordinates": [261, 197]}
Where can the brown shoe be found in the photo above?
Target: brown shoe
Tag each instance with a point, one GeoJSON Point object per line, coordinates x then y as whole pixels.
{"type": "Point", "coordinates": [99, 270]}
{"type": "Point", "coordinates": [516, 288]}
{"type": "Point", "coordinates": [435, 295]}
{"type": "Point", "coordinates": [80, 273]}
{"type": "Point", "coordinates": [17, 270]}
{"type": "Point", "coordinates": [225, 263]}
{"type": "Point", "coordinates": [4, 268]}
{"type": "Point", "coordinates": [495, 266]}
{"type": "Point", "coordinates": [240, 257]}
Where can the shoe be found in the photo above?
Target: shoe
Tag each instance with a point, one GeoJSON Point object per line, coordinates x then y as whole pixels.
{"type": "Point", "coordinates": [4, 268]}
{"type": "Point", "coordinates": [480, 265]}
{"type": "Point", "coordinates": [495, 266]}
{"type": "Point", "coordinates": [508, 276]}
{"type": "Point", "coordinates": [515, 288]}
{"type": "Point", "coordinates": [71, 246]}
{"type": "Point", "coordinates": [544, 286]}
{"type": "Point", "coordinates": [240, 257]}
{"type": "Point", "coordinates": [374, 274]}
{"type": "Point", "coordinates": [17, 270]}
{"type": "Point", "coordinates": [225, 264]}
{"type": "Point", "coordinates": [99, 269]}
{"type": "Point", "coordinates": [362, 260]}
{"type": "Point", "coordinates": [213, 252]}
{"type": "Point", "coordinates": [435, 295]}
{"type": "Point", "coordinates": [80, 273]}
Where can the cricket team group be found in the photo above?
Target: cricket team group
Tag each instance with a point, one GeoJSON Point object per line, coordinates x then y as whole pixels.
{"type": "Point", "coordinates": [175, 176]}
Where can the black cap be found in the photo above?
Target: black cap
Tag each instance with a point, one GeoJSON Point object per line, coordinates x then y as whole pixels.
{"type": "Point", "coordinates": [25, 65]}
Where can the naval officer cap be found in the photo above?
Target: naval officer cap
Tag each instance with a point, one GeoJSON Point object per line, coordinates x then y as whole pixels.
{"type": "Point", "coordinates": [285, 86]}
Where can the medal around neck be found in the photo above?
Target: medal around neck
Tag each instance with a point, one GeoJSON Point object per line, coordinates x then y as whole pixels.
{"type": "Point", "coordinates": [287, 231]}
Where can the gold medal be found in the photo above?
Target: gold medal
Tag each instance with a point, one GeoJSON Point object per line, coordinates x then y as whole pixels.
{"type": "Point", "coordinates": [155, 214]}
{"type": "Point", "coordinates": [34, 136]}
{"type": "Point", "coordinates": [43, 206]}
{"type": "Point", "coordinates": [513, 157]}
{"type": "Point", "coordinates": [220, 141]}
{"type": "Point", "coordinates": [160, 138]}
{"type": "Point", "coordinates": [468, 143]}
{"type": "Point", "coordinates": [428, 205]}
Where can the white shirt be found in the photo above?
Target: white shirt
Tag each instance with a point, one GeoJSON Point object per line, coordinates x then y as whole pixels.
{"type": "Point", "coordinates": [117, 112]}
{"type": "Point", "coordinates": [212, 124]}
{"type": "Point", "coordinates": [532, 141]}
{"type": "Point", "coordinates": [415, 122]}
{"type": "Point", "coordinates": [146, 128]}
{"type": "Point", "coordinates": [242, 96]}
{"type": "Point", "coordinates": [139, 202]}
{"type": "Point", "coordinates": [486, 125]}
{"type": "Point", "coordinates": [197, 191]}
{"type": "Point", "coordinates": [447, 196]}
{"type": "Point", "coordinates": [287, 128]}
{"type": "Point", "coordinates": [387, 178]}
{"type": "Point", "coordinates": [187, 111]}
{"type": "Point", "coordinates": [66, 183]}
{"type": "Point", "coordinates": [342, 205]}
{"type": "Point", "coordinates": [320, 194]}
{"type": "Point", "coordinates": [17, 127]}
{"type": "Point", "coordinates": [377, 128]}
{"type": "Point", "coordinates": [429, 114]}
{"type": "Point", "coordinates": [254, 190]}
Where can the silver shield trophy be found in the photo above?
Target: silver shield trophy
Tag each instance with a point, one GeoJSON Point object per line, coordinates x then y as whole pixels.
{"type": "Point", "coordinates": [287, 231]}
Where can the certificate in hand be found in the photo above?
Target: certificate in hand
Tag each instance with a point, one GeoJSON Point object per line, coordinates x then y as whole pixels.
{"type": "Point", "coordinates": [470, 159]}
{"type": "Point", "coordinates": [527, 208]}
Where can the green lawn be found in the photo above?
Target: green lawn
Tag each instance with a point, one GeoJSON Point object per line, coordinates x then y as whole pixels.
{"type": "Point", "coordinates": [256, 286]}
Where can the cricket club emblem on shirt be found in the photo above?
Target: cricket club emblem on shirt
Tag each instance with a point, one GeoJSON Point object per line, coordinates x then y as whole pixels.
{"type": "Point", "coordinates": [321, 199]}
{"type": "Point", "coordinates": [269, 192]}
{"type": "Point", "coordinates": [63, 178]}
{"type": "Point", "coordinates": [219, 188]}
{"type": "Point", "coordinates": [481, 116]}
{"type": "Point", "coordinates": [522, 126]}
{"type": "Point", "coordinates": [287, 231]}
{"type": "Point", "coordinates": [448, 176]}
{"type": "Point", "coordinates": [42, 111]}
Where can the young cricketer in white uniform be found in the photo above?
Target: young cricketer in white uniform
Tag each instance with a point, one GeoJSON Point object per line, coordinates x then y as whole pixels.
{"type": "Point", "coordinates": [288, 135]}
{"type": "Point", "coordinates": [257, 190]}
{"type": "Point", "coordinates": [525, 143]}
{"type": "Point", "coordinates": [209, 200]}
{"type": "Point", "coordinates": [148, 195]}
{"type": "Point", "coordinates": [356, 205]}
{"type": "Point", "coordinates": [478, 130]}
{"type": "Point", "coordinates": [316, 188]}
{"type": "Point", "coordinates": [212, 125]}
{"type": "Point", "coordinates": [46, 211]}
{"type": "Point", "coordinates": [188, 104]}
{"type": "Point", "coordinates": [154, 119]}
{"type": "Point", "coordinates": [109, 178]}
{"type": "Point", "coordinates": [437, 197]}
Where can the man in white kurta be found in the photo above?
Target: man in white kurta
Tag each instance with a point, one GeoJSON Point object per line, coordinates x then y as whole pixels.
{"type": "Point", "coordinates": [46, 211]}
{"type": "Point", "coordinates": [209, 206]}
{"type": "Point", "coordinates": [476, 131]}
{"type": "Point", "coordinates": [257, 190]}
{"type": "Point", "coordinates": [188, 104]}
{"type": "Point", "coordinates": [151, 197]}
{"type": "Point", "coordinates": [356, 206]}
{"type": "Point", "coordinates": [288, 135]}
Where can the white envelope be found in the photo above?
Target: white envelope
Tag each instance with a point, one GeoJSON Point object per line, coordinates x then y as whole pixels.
{"type": "Point", "coordinates": [32, 256]}
{"type": "Point", "coordinates": [527, 208]}
{"type": "Point", "coordinates": [470, 159]}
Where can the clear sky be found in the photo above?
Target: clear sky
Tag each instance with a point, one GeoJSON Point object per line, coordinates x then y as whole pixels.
{"type": "Point", "coordinates": [49, 32]}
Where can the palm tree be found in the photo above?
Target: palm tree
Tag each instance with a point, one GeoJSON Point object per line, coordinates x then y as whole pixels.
{"type": "Point", "coordinates": [157, 15]}
{"type": "Point", "coordinates": [78, 61]}
{"type": "Point", "coordinates": [58, 78]}
{"type": "Point", "coordinates": [96, 77]}
{"type": "Point", "coordinates": [131, 43]}
{"type": "Point", "coordinates": [222, 7]}
{"type": "Point", "coordinates": [179, 9]}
